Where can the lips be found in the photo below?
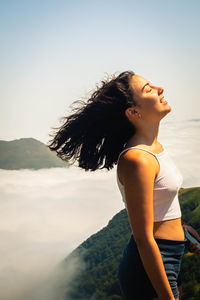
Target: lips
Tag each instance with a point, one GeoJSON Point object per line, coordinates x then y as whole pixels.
{"type": "Point", "coordinates": [163, 101]}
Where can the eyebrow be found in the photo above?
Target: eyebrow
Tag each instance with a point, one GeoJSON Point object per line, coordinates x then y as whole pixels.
{"type": "Point", "coordinates": [144, 86]}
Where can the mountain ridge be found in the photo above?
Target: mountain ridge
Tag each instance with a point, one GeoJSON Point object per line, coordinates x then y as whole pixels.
{"type": "Point", "coordinates": [28, 153]}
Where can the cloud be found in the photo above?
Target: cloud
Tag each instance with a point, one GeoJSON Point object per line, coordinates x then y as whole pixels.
{"type": "Point", "coordinates": [55, 285]}
{"type": "Point", "coordinates": [44, 215]}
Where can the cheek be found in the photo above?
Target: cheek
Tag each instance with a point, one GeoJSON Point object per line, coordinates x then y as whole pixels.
{"type": "Point", "coordinates": [147, 102]}
{"type": "Point", "coordinates": [150, 102]}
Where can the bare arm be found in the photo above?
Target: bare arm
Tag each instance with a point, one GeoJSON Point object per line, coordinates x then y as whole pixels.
{"type": "Point", "coordinates": [138, 173]}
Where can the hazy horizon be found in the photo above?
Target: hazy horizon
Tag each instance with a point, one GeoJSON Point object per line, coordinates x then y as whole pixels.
{"type": "Point", "coordinates": [162, 123]}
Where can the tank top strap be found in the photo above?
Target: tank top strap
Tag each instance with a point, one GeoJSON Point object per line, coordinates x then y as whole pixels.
{"type": "Point", "coordinates": [137, 148]}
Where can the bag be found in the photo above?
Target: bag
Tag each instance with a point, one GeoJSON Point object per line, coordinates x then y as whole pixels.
{"type": "Point", "coordinates": [193, 239]}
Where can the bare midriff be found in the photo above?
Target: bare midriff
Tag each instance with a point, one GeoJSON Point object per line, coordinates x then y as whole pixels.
{"type": "Point", "coordinates": [169, 229]}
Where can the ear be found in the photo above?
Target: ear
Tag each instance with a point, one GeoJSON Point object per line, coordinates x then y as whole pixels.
{"type": "Point", "coordinates": [131, 111]}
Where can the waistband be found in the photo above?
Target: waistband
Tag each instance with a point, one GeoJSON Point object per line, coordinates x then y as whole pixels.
{"type": "Point", "coordinates": [172, 242]}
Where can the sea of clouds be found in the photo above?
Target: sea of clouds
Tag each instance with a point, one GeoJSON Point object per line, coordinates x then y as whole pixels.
{"type": "Point", "coordinates": [45, 214]}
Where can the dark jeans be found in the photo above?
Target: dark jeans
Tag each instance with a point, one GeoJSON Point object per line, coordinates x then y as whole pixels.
{"type": "Point", "coordinates": [134, 281]}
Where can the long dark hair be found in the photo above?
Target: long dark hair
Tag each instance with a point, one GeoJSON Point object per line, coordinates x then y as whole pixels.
{"type": "Point", "coordinates": [97, 131]}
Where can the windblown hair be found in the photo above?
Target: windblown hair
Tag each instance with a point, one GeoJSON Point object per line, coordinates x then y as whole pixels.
{"type": "Point", "coordinates": [97, 131]}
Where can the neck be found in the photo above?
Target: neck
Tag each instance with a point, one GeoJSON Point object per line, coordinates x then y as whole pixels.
{"type": "Point", "coordinates": [146, 133]}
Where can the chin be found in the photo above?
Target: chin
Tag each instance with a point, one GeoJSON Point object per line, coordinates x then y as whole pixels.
{"type": "Point", "coordinates": [168, 108]}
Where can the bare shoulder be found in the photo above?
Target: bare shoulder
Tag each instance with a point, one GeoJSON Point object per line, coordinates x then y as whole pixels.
{"type": "Point", "coordinates": [135, 162]}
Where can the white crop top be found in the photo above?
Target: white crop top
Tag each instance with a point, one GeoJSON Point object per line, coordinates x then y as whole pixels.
{"type": "Point", "coordinates": [166, 186]}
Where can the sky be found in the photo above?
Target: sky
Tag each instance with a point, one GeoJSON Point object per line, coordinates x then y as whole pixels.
{"type": "Point", "coordinates": [55, 52]}
{"type": "Point", "coordinates": [45, 214]}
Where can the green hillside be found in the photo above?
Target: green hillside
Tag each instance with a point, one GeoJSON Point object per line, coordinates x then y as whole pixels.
{"type": "Point", "coordinates": [28, 153]}
{"type": "Point", "coordinates": [102, 251]}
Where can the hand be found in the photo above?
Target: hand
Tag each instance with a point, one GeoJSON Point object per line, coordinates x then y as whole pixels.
{"type": "Point", "coordinates": [192, 247]}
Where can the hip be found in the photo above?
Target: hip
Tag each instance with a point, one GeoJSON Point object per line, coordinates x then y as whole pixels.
{"type": "Point", "coordinates": [173, 248]}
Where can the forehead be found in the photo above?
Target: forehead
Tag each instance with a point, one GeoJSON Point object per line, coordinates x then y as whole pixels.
{"type": "Point", "coordinates": [137, 82]}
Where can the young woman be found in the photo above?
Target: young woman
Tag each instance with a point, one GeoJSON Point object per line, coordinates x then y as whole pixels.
{"type": "Point", "coordinates": [119, 124]}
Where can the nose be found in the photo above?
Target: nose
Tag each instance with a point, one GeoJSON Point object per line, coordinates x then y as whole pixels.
{"type": "Point", "coordinates": [160, 90]}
